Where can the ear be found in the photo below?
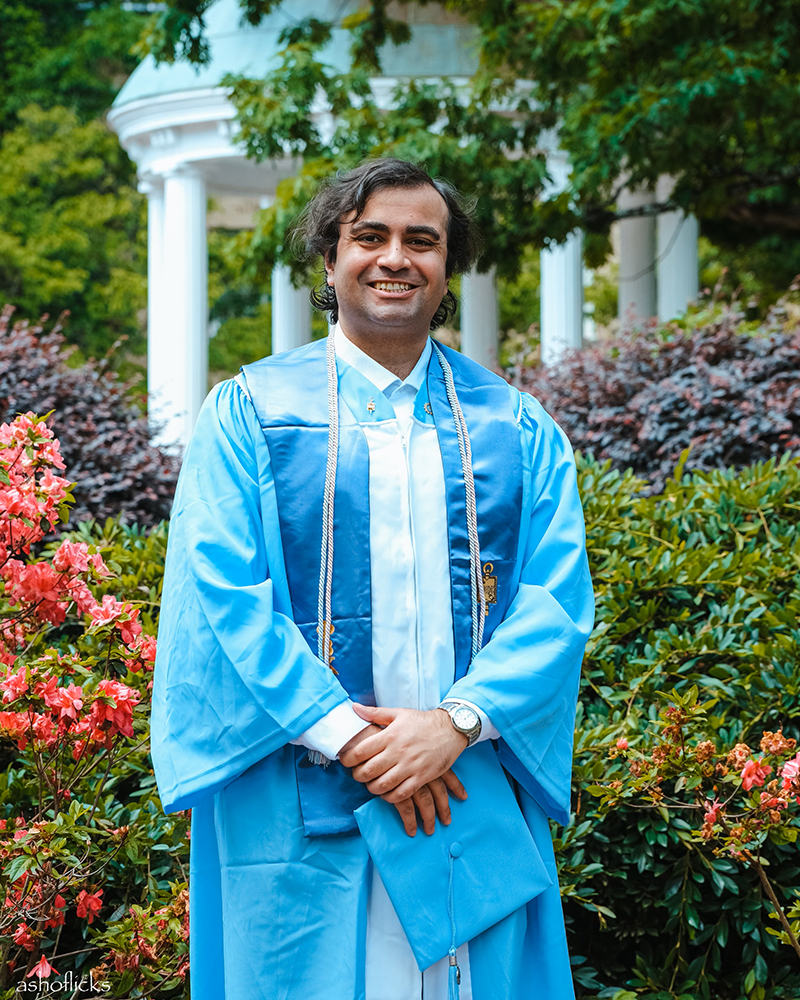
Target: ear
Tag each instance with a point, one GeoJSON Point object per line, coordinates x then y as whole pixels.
{"type": "Point", "coordinates": [329, 269]}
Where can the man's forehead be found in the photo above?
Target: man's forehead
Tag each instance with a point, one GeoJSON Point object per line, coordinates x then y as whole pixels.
{"type": "Point", "coordinates": [424, 203]}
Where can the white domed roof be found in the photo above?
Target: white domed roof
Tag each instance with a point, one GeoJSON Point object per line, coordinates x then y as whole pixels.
{"type": "Point", "coordinates": [441, 45]}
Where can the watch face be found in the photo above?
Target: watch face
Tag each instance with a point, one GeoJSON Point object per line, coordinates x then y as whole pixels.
{"type": "Point", "coordinates": [465, 719]}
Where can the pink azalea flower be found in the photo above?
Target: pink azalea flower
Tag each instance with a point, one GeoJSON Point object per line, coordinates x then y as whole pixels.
{"type": "Point", "coordinates": [44, 730]}
{"type": "Point", "coordinates": [112, 611]}
{"type": "Point", "coordinates": [42, 969]}
{"type": "Point", "coordinates": [54, 487]}
{"type": "Point", "coordinates": [82, 596]}
{"type": "Point", "coordinates": [107, 612]}
{"type": "Point", "coordinates": [89, 904]}
{"type": "Point", "coordinates": [72, 557]}
{"type": "Point", "coordinates": [622, 744]}
{"type": "Point", "coordinates": [712, 813]}
{"type": "Point", "coordinates": [14, 685]}
{"type": "Point", "coordinates": [67, 700]}
{"type": "Point", "coordinates": [116, 717]}
{"type": "Point", "coordinates": [145, 653]}
{"type": "Point", "coordinates": [46, 690]}
{"type": "Point", "coordinates": [15, 724]}
{"type": "Point", "coordinates": [790, 771]}
{"type": "Point", "coordinates": [22, 937]}
{"type": "Point", "coordinates": [50, 453]}
{"type": "Point", "coordinates": [753, 773]}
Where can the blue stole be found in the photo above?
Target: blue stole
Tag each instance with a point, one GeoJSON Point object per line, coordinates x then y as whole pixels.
{"type": "Point", "coordinates": [289, 395]}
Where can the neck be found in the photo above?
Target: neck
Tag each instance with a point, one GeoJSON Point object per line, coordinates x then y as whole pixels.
{"type": "Point", "coordinates": [398, 354]}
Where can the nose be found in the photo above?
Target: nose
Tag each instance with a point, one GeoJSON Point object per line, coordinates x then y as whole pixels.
{"type": "Point", "coordinates": [393, 255]}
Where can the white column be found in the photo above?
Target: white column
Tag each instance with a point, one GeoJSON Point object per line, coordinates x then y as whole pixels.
{"type": "Point", "coordinates": [637, 262]}
{"type": "Point", "coordinates": [560, 278]}
{"type": "Point", "coordinates": [180, 363]}
{"type": "Point", "coordinates": [561, 293]}
{"type": "Point", "coordinates": [153, 187]}
{"type": "Point", "coordinates": [480, 317]}
{"type": "Point", "coordinates": [291, 312]}
{"type": "Point", "coordinates": [677, 263]}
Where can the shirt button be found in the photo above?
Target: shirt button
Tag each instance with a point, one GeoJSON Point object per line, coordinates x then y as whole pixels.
{"type": "Point", "coordinates": [456, 849]}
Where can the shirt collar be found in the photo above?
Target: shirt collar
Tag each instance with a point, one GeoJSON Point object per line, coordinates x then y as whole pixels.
{"type": "Point", "coordinates": [380, 377]}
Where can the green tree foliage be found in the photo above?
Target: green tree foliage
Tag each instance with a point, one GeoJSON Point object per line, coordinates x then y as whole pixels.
{"type": "Point", "coordinates": [64, 52]}
{"type": "Point", "coordinates": [71, 221]}
{"type": "Point", "coordinates": [72, 227]}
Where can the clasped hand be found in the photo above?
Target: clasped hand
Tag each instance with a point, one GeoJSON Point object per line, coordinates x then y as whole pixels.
{"type": "Point", "coordinates": [405, 756]}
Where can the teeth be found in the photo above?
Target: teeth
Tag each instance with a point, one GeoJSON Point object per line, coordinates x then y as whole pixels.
{"type": "Point", "coordinates": [392, 286]}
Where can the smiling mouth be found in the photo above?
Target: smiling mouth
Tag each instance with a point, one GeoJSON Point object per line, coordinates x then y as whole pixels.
{"type": "Point", "coordinates": [392, 286]}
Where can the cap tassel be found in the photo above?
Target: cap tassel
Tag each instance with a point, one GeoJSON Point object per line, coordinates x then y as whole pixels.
{"type": "Point", "coordinates": [454, 975]}
{"type": "Point", "coordinates": [453, 978]}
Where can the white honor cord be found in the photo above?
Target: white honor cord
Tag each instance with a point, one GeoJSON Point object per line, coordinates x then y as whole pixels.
{"type": "Point", "coordinates": [324, 603]}
{"type": "Point", "coordinates": [465, 450]}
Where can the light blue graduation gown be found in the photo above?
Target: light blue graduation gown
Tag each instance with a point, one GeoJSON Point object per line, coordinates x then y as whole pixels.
{"type": "Point", "coordinates": [276, 914]}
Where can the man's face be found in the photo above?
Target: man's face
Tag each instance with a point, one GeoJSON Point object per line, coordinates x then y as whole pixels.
{"type": "Point", "coordinates": [390, 273]}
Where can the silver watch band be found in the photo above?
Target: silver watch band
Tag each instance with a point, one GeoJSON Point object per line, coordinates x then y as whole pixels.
{"type": "Point", "coordinates": [451, 706]}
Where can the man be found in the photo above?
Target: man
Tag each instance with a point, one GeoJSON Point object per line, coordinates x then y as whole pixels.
{"type": "Point", "coordinates": [366, 528]}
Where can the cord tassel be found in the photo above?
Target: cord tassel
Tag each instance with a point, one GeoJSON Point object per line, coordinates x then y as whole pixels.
{"type": "Point", "coordinates": [453, 978]}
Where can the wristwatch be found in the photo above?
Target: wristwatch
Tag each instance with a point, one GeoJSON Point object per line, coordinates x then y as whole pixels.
{"type": "Point", "coordinates": [465, 719]}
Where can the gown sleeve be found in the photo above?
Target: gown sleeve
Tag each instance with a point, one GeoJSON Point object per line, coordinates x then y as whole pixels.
{"type": "Point", "coordinates": [234, 678]}
{"type": "Point", "coordinates": [526, 677]}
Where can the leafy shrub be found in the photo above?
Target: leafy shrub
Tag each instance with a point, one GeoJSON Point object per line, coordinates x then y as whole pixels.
{"type": "Point", "coordinates": [696, 587]}
{"type": "Point", "coordinates": [79, 821]}
{"type": "Point", "coordinates": [105, 440]}
{"type": "Point", "coordinates": [731, 397]}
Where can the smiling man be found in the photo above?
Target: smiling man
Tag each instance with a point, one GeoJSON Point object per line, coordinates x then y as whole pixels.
{"type": "Point", "coordinates": [376, 561]}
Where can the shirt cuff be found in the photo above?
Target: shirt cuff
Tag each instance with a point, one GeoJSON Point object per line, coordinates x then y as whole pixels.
{"type": "Point", "coordinates": [488, 732]}
{"type": "Point", "coordinates": [333, 731]}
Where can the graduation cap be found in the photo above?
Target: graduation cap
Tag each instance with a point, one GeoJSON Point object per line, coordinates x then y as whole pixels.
{"type": "Point", "coordinates": [449, 887]}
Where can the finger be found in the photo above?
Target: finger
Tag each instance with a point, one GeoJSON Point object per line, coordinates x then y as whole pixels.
{"type": "Point", "coordinates": [454, 785]}
{"type": "Point", "coordinates": [403, 788]}
{"type": "Point", "coordinates": [408, 814]}
{"type": "Point", "coordinates": [380, 716]}
{"type": "Point", "coordinates": [441, 800]}
{"type": "Point", "coordinates": [423, 800]}
{"type": "Point", "coordinates": [374, 769]}
{"type": "Point", "coordinates": [388, 782]}
{"type": "Point", "coordinates": [365, 750]}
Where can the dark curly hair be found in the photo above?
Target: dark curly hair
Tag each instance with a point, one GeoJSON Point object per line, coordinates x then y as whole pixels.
{"type": "Point", "coordinates": [317, 230]}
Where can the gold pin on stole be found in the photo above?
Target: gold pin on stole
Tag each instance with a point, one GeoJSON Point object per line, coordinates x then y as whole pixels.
{"type": "Point", "coordinates": [371, 405]}
{"type": "Point", "coordinates": [489, 585]}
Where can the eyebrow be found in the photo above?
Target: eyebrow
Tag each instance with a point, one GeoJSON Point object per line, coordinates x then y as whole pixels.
{"type": "Point", "coordinates": [381, 227]}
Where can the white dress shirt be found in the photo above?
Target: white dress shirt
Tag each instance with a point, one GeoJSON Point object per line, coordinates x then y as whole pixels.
{"type": "Point", "coordinates": [413, 658]}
